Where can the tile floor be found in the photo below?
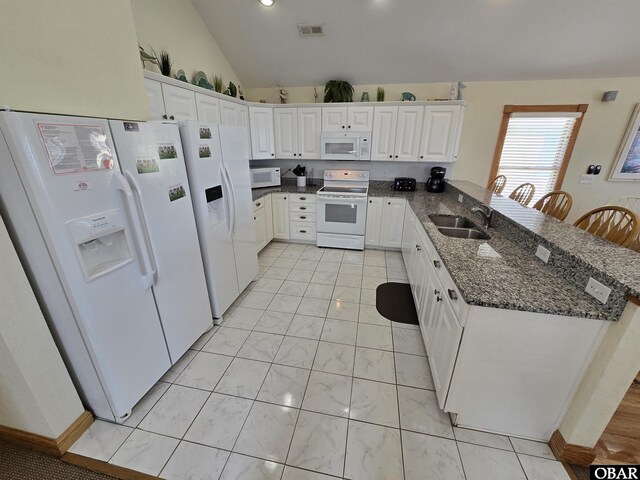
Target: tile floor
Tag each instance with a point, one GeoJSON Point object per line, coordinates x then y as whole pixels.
{"type": "Point", "coordinates": [304, 380]}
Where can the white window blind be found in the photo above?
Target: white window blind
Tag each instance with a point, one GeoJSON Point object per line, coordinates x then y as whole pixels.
{"type": "Point", "coordinates": [534, 148]}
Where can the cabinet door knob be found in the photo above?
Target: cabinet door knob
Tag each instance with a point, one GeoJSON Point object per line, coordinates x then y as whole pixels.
{"type": "Point", "coordinates": [396, 156]}
{"type": "Point", "coordinates": [436, 263]}
{"type": "Point", "coordinates": [254, 218]}
{"type": "Point", "coordinates": [258, 204]}
{"type": "Point", "coordinates": [164, 116]}
{"type": "Point", "coordinates": [452, 294]}
{"type": "Point", "coordinates": [172, 117]}
{"type": "Point", "coordinates": [294, 154]}
{"type": "Point", "coordinates": [370, 201]}
{"type": "Point", "coordinates": [342, 126]}
{"type": "Point", "coordinates": [299, 154]}
{"type": "Point", "coordinates": [438, 299]}
{"type": "Point", "coordinates": [390, 156]}
{"type": "Point", "coordinates": [273, 154]}
{"type": "Point", "coordinates": [418, 249]}
{"type": "Point", "coordinates": [349, 126]}
{"type": "Point", "coordinates": [388, 203]}
{"type": "Point", "coordinates": [421, 156]}
{"type": "Point", "coordinates": [436, 292]}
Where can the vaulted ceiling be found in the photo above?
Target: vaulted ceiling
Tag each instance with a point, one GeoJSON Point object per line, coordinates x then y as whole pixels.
{"type": "Point", "coordinates": [415, 41]}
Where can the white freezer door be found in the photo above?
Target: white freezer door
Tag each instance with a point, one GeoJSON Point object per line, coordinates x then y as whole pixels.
{"type": "Point", "coordinates": [212, 204]}
{"type": "Point", "coordinates": [235, 155]}
{"type": "Point", "coordinates": [151, 159]}
{"type": "Point", "coordinates": [70, 174]}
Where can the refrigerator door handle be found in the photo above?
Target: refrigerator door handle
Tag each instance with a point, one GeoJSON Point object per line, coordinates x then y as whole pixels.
{"type": "Point", "coordinates": [123, 189]}
{"type": "Point", "coordinates": [235, 202]}
{"type": "Point", "coordinates": [135, 187]}
{"type": "Point", "coordinates": [229, 200]}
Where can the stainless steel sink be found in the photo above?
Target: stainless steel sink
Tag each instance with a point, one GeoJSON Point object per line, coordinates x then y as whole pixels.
{"type": "Point", "coordinates": [453, 222]}
{"type": "Point", "coordinates": [470, 233]}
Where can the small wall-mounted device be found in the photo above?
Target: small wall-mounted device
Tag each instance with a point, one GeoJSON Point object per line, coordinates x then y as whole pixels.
{"type": "Point", "coordinates": [594, 169]}
{"type": "Point", "coordinates": [609, 96]}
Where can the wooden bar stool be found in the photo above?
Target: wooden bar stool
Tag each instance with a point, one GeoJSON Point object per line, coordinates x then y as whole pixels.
{"type": "Point", "coordinates": [616, 224]}
{"type": "Point", "coordinates": [523, 193]}
{"type": "Point", "coordinates": [497, 184]}
{"type": "Point", "coordinates": [556, 203]}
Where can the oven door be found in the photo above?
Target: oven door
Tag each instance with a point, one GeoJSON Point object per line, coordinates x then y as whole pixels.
{"type": "Point", "coordinates": [334, 147]}
{"type": "Point", "coordinates": [340, 214]}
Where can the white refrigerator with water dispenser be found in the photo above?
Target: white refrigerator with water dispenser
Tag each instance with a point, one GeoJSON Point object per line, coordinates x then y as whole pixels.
{"type": "Point", "coordinates": [122, 291]}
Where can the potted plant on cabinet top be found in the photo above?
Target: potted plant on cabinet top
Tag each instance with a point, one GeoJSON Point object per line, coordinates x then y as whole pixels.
{"type": "Point", "coordinates": [338, 91]}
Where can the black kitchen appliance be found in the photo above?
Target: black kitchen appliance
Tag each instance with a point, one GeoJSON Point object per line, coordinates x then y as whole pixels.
{"type": "Point", "coordinates": [404, 184]}
{"type": "Point", "coordinates": [435, 183]}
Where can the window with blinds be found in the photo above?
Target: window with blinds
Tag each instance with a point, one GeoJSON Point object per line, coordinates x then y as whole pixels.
{"type": "Point", "coordinates": [535, 147]}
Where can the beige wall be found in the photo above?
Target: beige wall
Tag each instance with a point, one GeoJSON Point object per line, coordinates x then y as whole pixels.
{"type": "Point", "coordinates": [71, 56]}
{"type": "Point", "coordinates": [600, 135]}
{"type": "Point", "coordinates": [176, 25]}
{"type": "Point", "coordinates": [36, 393]}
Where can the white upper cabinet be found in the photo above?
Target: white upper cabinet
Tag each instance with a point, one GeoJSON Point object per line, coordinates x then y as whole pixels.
{"type": "Point", "coordinates": [309, 130]}
{"type": "Point", "coordinates": [208, 108]}
{"type": "Point", "coordinates": [233, 114]}
{"type": "Point", "coordinates": [156, 102]}
{"type": "Point", "coordinates": [354, 119]}
{"type": "Point", "coordinates": [179, 103]}
{"type": "Point", "coordinates": [261, 122]}
{"type": "Point", "coordinates": [408, 133]}
{"type": "Point", "coordinates": [383, 142]}
{"type": "Point", "coordinates": [286, 127]}
{"type": "Point", "coordinates": [441, 131]}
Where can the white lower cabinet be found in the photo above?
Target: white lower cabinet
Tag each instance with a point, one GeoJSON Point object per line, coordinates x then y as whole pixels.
{"type": "Point", "coordinates": [280, 206]}
{"type": "Point", "coordinates": [374, 222]}
{"type": "Point", "coordinates": [385, 220]}
{"type": "Point", "coordinates": [262, 219]}
{"type": "Point", "coordinates": [302, 217]}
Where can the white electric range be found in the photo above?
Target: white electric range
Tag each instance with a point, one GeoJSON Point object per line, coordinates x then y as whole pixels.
{"type": "Point", "coordinates": [342, 209]}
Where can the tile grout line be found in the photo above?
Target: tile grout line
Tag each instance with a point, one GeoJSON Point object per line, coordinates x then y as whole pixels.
{"type": "Point", "coordinates": [395, 374]}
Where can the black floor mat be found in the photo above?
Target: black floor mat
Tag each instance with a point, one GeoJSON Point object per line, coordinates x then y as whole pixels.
{"type": "Point", "coordinates": [395, 302]}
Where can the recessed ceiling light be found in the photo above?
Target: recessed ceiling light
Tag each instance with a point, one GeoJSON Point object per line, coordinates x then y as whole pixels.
{"type": "Point", "coordinates": [266, 3]}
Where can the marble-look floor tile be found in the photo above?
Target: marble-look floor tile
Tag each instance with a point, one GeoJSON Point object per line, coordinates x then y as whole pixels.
{"type": "Point", "coordinates": [241, 467]}
{"type": "Point", "coordinates": [334, 358]}
{"type": "Point", "coordinates": [374, 402]}
{"type": "Point", "coordinates": [371, 271]}
{"type": "Point", "coordinates": [326, 278]}
{"type": "Point", "coordinates": [277, 273]}
{"type": "Point", "coordinates": [375, 261]}
{"type": "Point", "coordinates": [369, 314]}
{"type": "Point", "coordinates": [259, 300]}
{"type": "Point", "coordinates": [306, 264]}
{"type": "Point", "coordinates": [330, 267]}
{"type": "Point", "coordinates": [537, 468]}
{"type": "Point", "coordinates": [145, 452]}
{"type": "Point", "coordinates": [282, 262]}
{"type": "Point", "coordinates": [306, 326]}
{"type": "Point", "coordinates": [345, 280]}
{"type": "Point", "coordinates": [354, 258]}
{"type": "Point", "coordinates": [430, 457]}
{"type": "Point", "coordinates": [297, 352]}
{"type": "Point", "coordinates": [243, 378]}
{"type": "Point", "coordinates": [311, 255]}
{"type": "Point", "coordinates": [397, 275]}
{"type": "Point", "coordinates": [298, 275]}
{"type": "Point", "coordinates": [395, 262]}
{"type": "Point", "coordinates": [220, 421]}
{"type": "Point", "coordinates": [295, 254]}
{"type": "Point", "coordinates": [204, 371]}
{"type": "Point", "coordinates": [195, 462]}
{"type": "Point", "coordinates": [204, 338]}
{"type": "Point", "coordinates": [264, 261]}
{"type": "Point", "coordinates": [372, 282]}
{"type": "Point", "coordinates": [328, 393]}
{"type": "Point", "coordinates": [343, 310]}
{"type": "Point", "coordinates": [332, 256]}
{"type": "Point", "coordinates": [292, 473]}
{"type": "Point", "coordinates": [274, 322]}
{"type": "Point", "coordinates": [350, 269]}
{"type": "Point", "coordinates": [339, 331]}
{"type": "Point", "coordinates": [419, 412]}
{"type": "Point", "coordinates": [319, 443]}
{"type": "Point", "coordinates": [245, 318]}
{"type": "Point", "coordinates": [148, 401]}
{"type": "Point", "coordinates": [316, 307]}
{"type": "Point", "coordinates": [372, 252]}
{"type": "Point", "coordinates": [290, 287]}
{"type": "Point", "coordinates": [346, 294]}
{"type": "Point", "coordinates": [374, 336]}
{"type": "Point", "coordinates": [529, 447]}
{"type": "Point", "coordinates": [374, 365]}
{"type": "Point", "coordinates": [482, 438]}
{"type": "Point", "coordinates": [408, 341]}
{"type": "Point", "coordinates": [481, 463]}
{"type": "Point", "coordinates": [318, 290]}
{"type": "Point", "coordinates": [284, 303]}
{"type": "Point", "coordinates": [284, 386]}
{"type": "Point", "coordinates": [268, 285]}
{"type": "Point", "coordinates": [175, 411]}
{"type": "Point", "coordinates": [267, 432]}
{"type": "Point", "coordinates": [177, 368]}
{"type": "Point", "coordinates": [368, 296]}
{"type": "Point", "coordinates": [373, 452]}
{"type": "Point", "coordinates": [413, 371]}
{"type": "Point", "coordinates": [101, 440]}
{"type": "Point", "coordinates": [226, 341]}
{"type": "Point", "coordinates": [260, 346]}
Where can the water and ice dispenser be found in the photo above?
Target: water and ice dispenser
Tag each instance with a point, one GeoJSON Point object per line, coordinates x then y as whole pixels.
{"type": "Point", "coordinates": [101, 243]}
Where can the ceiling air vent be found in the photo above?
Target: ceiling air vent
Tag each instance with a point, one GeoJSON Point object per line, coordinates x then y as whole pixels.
{"type": "Point", "coordinates": [306, 30]}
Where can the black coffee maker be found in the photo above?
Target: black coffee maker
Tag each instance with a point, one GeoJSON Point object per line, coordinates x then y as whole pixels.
{"type": "Point", "coordinates": [435, 183]}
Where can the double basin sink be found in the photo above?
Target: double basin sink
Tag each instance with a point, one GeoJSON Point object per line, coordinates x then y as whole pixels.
{"type": "Point", "coordinates": [458, 227]}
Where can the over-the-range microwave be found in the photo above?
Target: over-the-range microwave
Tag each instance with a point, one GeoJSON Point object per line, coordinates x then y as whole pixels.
{"type": "Point", "coordinates": [265, 177]}
{"type": "Point", "coordinates": [345, 146]}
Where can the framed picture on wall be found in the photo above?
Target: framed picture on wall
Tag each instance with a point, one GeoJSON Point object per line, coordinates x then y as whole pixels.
{"type": "Point", "coordinates": [627, 161]}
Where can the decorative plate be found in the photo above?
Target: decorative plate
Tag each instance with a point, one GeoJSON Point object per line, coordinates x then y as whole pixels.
{"type": "Point", "coordinates": [408, 97]}
{"type": "Point", "coordinates": [200, 79]}
{"type": "Point", "coordinates": [180, 75]}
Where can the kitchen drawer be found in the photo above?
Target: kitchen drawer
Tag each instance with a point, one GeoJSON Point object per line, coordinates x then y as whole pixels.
{"type": "Point", "coordinates": [302, 207]}
{"type": "Point", "coordinates": [303, 217]}
{"type": "Point", "coordinates": [302, 198]}
{"type": "Point", "coordinates": [303, 231]}
{"type": "Point", "coordinates": [258, 204]}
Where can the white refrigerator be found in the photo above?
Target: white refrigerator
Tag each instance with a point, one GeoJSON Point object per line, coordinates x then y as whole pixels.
{"type": "Point", "coordinates": [77, 225]}
{"type": "Point", "coordinates": [217, 158]}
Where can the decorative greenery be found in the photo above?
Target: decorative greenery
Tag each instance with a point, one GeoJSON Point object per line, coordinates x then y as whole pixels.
{"type": "Point", "coordinates": [232, 89]}
{"type": "Point", "coordinates": [380, 94]}
{"type": "Point", "coordinates": [164, 61]}
{"type": "Point", "coordinates": [217, 83]}
{"type": "Point", "coordinates": [338, 91]}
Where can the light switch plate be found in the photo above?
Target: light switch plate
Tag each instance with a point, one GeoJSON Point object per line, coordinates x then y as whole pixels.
{"type": "Point", "coordinates": [543, 254]}
{"type": "Point", "coordinates": [586, 179]}
{"type": "Point", "coordinates": [598, 290]}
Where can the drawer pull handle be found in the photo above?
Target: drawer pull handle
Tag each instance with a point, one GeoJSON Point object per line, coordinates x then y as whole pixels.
{"type": "Point", "coordinates": [438, 299]}
{"type": "Point", "coordinates": [436, 263]}
{"type": "Point", "coordinates": [303, 231]}
{"type": "Point", "coordinates": [303, 208]}
{"type": "Point", "coordinates": [258, 204]}
{"type": "Point", "coordinates": [436, 292]}
{"type": "Point", "coordinates": [452, 294]}
{"type": "Point", "coordinates": [303, 198]}
{"type": "Point", "coordinates": [303, 217]}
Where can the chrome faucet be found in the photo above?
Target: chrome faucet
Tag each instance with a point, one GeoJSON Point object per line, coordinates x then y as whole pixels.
{"type": "Point", "coordinates": [487, 214]}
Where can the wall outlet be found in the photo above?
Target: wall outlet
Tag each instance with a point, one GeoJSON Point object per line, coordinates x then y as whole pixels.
{"type": "Point", "coordinates": [586, 179]}
{"type": "Point", "coordinates": [598, 290]}
{"type": "Point", "coordinates": [460, 198]}
{"type": "Point", "coordinates": [543, 254]}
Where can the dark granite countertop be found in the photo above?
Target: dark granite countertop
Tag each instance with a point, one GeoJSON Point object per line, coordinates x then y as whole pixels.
{"type": "Point", "coordinates": [286, 187]}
